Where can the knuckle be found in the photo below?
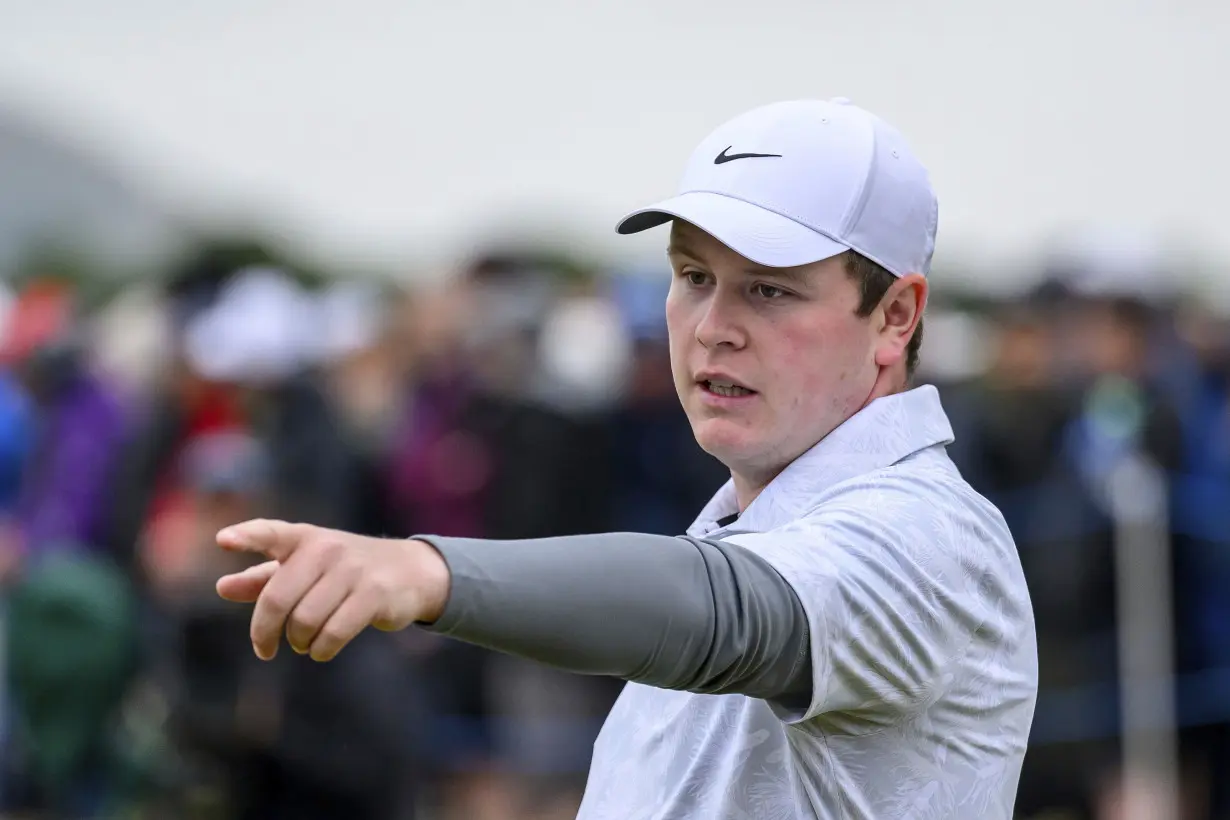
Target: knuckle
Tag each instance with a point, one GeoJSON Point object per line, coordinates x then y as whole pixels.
{"type": "Point", "coordinates": [352, 560]}
{"type": "Point", "coordinates": [277, 602]}
{"type": "Point", "coordinates": [353, 576]}
{"type": "Point", "coordinates": [304, 622]}
{"type": "Point", "coordinates": [372, 587]}
{"type": "Point", "coordinates": [269, 524]}
{"type": "Point", "coordinates": [332, 550]}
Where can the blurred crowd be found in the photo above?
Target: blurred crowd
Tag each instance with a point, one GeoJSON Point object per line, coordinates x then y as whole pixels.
{"type": "Point", "coordinates": [514, 398]}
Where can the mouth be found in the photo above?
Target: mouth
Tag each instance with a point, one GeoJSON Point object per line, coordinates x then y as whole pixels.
{"type": "Point", "coordinates": [725, 388]}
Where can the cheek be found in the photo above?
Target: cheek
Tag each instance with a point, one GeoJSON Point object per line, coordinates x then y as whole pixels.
{"type": "Point", "coordinates": [678, 312]}
{"type": "Point", "coordinates": [679, 362]}
{"type": "Point", "coordinates": [680, 335]}
{"type": "Point", "coordinates": [827, 368]}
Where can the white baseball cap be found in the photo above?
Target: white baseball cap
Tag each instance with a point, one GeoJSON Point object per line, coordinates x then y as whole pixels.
{"type": "Point", "coordinates": [795, 182]}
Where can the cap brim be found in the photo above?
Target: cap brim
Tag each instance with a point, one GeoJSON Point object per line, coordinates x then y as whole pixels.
{"type": "Point", "coordinates": [762, 236]}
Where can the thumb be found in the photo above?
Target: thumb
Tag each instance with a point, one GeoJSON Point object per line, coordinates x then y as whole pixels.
{"type": "Point", "coordinates": [275, 539]}
{"type": "Point", "coordinates": [245, 587]}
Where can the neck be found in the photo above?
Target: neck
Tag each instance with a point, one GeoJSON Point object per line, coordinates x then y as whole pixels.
{"type": "Point", "coordinates": [746, 491]}
{"type": "Point", "coordinates": [748, 485]}
{"type": "Point", "coordinates": [889, 381]}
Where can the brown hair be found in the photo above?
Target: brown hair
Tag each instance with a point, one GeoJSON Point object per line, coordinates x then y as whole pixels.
{"type": "Point", "coordinates": [873, 282]}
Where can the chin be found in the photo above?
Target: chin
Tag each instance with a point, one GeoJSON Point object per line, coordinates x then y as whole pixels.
{"type": "Point", "coordinates": [729, 443]}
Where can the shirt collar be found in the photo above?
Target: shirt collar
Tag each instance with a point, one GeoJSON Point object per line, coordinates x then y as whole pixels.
{"type": "Point", "coordinates": [881, 434]}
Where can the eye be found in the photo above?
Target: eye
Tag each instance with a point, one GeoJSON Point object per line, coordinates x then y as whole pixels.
{"type": "Point", "coordinates": [768, 291]}
{"type": "Point", "coordinates": [696, 278]}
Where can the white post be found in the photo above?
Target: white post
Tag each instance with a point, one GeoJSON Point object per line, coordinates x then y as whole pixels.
{"type": "Point", "coordinates": [1138, 502]}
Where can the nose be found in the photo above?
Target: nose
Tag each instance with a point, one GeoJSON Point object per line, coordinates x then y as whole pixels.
{"type": "Point", "coordinates": [720, 324]}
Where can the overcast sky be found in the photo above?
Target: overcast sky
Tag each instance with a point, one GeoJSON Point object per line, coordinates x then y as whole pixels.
{"type": "Point", "coordinates": [390, 126]}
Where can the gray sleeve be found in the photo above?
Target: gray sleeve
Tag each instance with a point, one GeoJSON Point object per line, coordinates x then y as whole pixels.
{"type": "Point", "coordinates": [676, 613]}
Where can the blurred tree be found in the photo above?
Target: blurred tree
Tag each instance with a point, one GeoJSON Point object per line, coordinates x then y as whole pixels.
{"type": "Point", "coordinates": [91, 281]}
{"type": "Point", "coordinates": [212, 261]}
{"type": "Point", "coordinates": [496, 263]}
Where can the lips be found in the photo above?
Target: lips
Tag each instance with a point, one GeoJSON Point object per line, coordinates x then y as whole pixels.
{"type": "Point", "coordinates": [720, 384]}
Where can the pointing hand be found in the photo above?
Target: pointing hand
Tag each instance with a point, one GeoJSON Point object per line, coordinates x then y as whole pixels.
{"type": "Point", "coordinates": [322, 587]}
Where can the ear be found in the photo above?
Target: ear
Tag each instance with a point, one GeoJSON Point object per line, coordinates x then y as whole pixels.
{"type": "Point", "coordinates": [898, 316]}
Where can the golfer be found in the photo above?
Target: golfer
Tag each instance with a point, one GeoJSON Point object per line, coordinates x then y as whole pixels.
{"type": "Point", "coordinates": [845, 630]}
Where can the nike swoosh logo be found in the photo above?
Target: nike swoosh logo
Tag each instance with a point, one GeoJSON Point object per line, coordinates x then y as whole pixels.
{"type": "Point", "coordinates": [725, 157]}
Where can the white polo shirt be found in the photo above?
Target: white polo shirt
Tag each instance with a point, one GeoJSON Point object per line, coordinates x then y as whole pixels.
{"type": "Point", "coordinates": [922, 639]}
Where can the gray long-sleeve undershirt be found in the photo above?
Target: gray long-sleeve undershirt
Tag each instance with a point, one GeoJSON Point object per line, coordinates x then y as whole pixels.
{"type": "Point", "coordinates": [676, 613]}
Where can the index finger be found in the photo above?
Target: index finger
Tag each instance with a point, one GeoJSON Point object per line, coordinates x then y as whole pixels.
{"type": "Point", "coordinates": [274, 539]}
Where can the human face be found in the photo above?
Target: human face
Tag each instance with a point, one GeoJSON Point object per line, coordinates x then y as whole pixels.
{"type": "Point", "coordinates": [789, 341]}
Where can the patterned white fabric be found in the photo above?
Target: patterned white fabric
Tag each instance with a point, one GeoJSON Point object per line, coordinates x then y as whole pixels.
{"type": "Point", "coordinates": [922, 641]}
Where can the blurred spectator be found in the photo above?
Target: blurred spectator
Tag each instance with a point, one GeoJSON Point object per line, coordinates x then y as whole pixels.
{"type": "Point", "coordinates": [247, 428]}
{"type": "Point", "coordinates": [65, 592]}
{"type": "Point", "coordinates": [584, 352]}
{"type": "Point", "coordinates": [363, 370]}
{"type": "Point", "coordinates": [16, 425]}
{"type": "Point", "coordinates": [16, 433]}
{"type": "Point", "coordinates": [72, 645]}
{"type": "Point", "coordinates": [132, 340]}
{"type": "Point", "coordinates": [478, 451]}
{"type": "Point", "coordinates": [63, 499]}
{"type": "Point", "coordinates": [1201, 521]}
{"type": "Point", "coordinates": [243, 366]}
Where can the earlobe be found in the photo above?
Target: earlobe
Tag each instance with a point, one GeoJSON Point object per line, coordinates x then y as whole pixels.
{"type": "Point", "coordinates": [889, 351]}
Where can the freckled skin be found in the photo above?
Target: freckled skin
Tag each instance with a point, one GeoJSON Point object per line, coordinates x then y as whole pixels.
{"type": "Point", "coordinates": [792, 335]}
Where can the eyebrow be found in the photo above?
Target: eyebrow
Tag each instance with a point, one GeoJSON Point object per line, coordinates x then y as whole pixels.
{"type": "Point", "coordinates": [795, 275]}
{"type": "Point", "coordinates": [677, 248]}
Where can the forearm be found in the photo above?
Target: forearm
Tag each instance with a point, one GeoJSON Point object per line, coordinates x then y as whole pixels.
{"type": "Point", "coordinates": [676, 613]}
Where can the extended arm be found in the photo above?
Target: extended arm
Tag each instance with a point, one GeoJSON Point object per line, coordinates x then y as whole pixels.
{"type": "Point", "coordinates": [677, 613]}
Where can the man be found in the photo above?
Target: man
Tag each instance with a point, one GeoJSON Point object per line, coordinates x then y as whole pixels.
{"type": "Point", "coordinates": [845, 630]}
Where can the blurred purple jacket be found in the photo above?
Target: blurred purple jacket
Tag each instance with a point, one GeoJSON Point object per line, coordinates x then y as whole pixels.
{"type": "Point", "coordinates": [66, 489]}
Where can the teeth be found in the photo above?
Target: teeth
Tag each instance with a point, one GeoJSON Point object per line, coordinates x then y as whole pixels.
{"type": "Point", "coordinates": [727, 389]}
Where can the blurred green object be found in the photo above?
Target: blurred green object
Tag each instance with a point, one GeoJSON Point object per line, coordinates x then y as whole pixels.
{"type": "Point", "coordinates": [73, 640]}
